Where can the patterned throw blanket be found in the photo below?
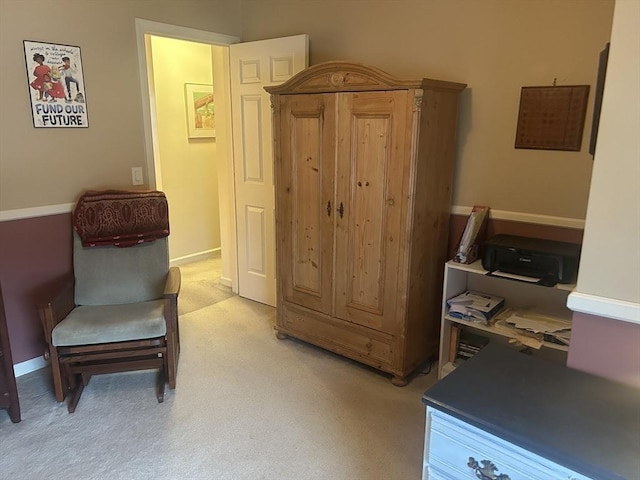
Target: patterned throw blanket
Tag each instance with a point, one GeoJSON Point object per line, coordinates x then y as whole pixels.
{"type": "Point", "coordinates": [121, 218]}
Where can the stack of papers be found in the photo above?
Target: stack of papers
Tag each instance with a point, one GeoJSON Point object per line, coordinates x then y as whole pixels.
{"type": "Point", "coordinates": [552, 328]}
{"type": "Point", "coordinates": [475, 306]}
{"type": "Point", "coordinates": [533, 328]}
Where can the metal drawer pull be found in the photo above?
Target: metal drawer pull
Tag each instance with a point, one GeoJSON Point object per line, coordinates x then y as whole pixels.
{"type": "Point", "coordinates": [329, 208]}
{"type": "Point", "coordinates": [486, 470]}
{"type": "Point", "coordinates": [341, 209]}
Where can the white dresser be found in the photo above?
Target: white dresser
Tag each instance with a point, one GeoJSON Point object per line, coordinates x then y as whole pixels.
{"type": "Point", "coordinates": [504, 415]}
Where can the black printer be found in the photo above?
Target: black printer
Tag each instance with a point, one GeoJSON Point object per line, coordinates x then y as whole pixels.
{"type": "Point", "coordinates": [549, 260]}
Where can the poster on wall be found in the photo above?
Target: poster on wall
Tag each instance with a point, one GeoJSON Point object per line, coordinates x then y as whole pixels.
{"type": "Point", "coordinates": [56, 85]}
{"type": "Point", "coordinates": [200, 113]}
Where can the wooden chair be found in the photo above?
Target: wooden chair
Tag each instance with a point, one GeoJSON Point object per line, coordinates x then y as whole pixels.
{"type": "Point", "coordinates": [119, 313]}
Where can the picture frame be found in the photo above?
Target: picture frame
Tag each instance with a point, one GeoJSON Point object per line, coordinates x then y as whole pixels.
{"type": "Point", "coordinates": [200, 111]}
{"type": "Point", "coordinates": [599, 93]}
{"type": "Point", "coordinates": [552, 118]}
{"type": "Point", "coordinates": [55, 82]}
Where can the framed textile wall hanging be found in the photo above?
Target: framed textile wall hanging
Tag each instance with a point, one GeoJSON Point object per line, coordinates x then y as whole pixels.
{"type": "Point", "coordinates": [552, 118]}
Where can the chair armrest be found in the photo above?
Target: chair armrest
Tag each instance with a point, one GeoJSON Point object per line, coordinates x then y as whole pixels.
{"type": "Point", "coordinates": [172, 285]}
{"type": "Point", "coordinates": [171, 290]}
{"type": "Point", "coordinates": [55, 304]}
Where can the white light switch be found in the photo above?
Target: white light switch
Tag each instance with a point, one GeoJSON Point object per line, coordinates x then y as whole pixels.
{"type": "Point", "coordinates": [136, 175]}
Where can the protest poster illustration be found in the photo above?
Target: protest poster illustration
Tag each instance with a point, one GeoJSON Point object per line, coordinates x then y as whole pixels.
{"type": "Point", "coordinates": [56, 85]}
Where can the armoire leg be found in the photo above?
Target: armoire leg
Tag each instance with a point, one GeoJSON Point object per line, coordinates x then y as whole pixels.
{"type": "Point", "coordinates": [399, 381]}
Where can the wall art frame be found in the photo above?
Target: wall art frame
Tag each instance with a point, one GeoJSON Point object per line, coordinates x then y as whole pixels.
{"type": "Point", "coordinates": [552, 118]}
{"type": "Point", "coordinates": [200, 111]}
{"type": "Point", "coordinates": [55, 81]}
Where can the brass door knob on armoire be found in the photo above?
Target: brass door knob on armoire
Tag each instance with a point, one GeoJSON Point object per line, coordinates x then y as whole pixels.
{"type": "Point", "coordinates": [364, 282]}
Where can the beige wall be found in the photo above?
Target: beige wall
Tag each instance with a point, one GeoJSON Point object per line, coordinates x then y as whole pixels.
{"type": "Point", "coordinates": [608, 289]}
{"type": "Point", "coordinates": [188, 166]}
{"type": "Point", "coordinates": [613, 219]}
{"type": "Point", "coordinates": [41, 167]}
{"type": "Point", "coordinates": [496, 47]}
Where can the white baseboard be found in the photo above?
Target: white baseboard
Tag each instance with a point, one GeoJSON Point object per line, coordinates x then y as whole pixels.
{"type": "Point", "coordinates": [29, 366]}
{"type": "Point", "coordinates": [195, 257]}
{"type": "Point", "coordinates": [227, 282]}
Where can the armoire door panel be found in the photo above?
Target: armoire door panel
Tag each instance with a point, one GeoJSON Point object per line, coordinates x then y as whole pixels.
{"type": "Point", "coordinates": [306, 194]}
{"type": "Point", "coordinates": [371, 174]}
{"type": "Point", "coordinates": [367, 193]}
{"type": "Point", "coordinates": [306, 224]}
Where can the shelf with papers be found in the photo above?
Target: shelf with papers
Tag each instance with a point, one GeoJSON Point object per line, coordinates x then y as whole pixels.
{"type": "Point", "coordinates": [504, 331]}
{"type": "Point", "coordinates": [525, 302]}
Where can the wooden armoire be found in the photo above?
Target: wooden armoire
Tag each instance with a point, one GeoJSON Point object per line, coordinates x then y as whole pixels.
{"type": "Point", "coordinates": [363, 174]}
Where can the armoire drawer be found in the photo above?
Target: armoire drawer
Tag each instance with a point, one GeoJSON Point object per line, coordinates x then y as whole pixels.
{"type": "Point", "coordinates": [452, 444]}
{"type": "Point", "coordinates": [344, 338]}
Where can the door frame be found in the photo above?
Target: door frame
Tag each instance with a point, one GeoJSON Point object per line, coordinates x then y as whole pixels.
{"type": "Point", "coordinates": [226, 184]}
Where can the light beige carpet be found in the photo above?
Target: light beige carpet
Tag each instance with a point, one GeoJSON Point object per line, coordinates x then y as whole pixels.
{"type": "Point", "coordinates": [246, 406]}
{"type": "Point", "coordinates": [201, 285]}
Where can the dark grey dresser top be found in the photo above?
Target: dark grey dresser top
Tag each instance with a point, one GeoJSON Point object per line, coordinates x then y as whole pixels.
{"type": "Point", "coordinates": [586, 423]}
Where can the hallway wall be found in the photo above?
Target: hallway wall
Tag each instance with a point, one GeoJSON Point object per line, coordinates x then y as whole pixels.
{"type": "Point", "coordinates": [188, 165]}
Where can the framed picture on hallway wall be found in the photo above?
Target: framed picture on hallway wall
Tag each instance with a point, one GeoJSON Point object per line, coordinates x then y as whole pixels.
{"type": "Point", "coordinates": [201, 119]}
{"type": "Point", "coordinates": [56, 85]}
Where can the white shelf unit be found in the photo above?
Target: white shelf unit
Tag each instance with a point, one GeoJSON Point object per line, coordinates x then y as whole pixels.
{"type": "Point", "coordinates": [517, 294]}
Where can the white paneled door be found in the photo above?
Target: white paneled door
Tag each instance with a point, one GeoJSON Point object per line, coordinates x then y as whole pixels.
{"type": "Point", "coordinates": [253, 66]}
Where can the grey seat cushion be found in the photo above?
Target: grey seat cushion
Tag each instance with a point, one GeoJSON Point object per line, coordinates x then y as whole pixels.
{"type": "Point", "coordinates": [91, 324]}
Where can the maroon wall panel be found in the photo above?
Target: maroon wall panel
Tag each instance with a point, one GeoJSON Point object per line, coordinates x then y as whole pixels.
{"type": "Point", "coordinates": [605, 347]}
{"type": "Point", "coordinates": [33, 253]}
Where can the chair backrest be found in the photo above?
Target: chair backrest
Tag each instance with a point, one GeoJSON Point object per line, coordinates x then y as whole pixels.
{"type": "Point", "coordinates": [114, 275]}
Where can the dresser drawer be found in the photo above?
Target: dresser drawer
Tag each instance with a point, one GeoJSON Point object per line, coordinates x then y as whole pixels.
{"type": "Point", "coordinates": [452, 447]}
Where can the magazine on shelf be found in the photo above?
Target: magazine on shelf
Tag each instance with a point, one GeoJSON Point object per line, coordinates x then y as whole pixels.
{"type": "Point", "coordinates": [470, 344]}
{"type": "Point", "coordinates": [472, 235]}
{"type": "Point", "coordinates": [475, 306]}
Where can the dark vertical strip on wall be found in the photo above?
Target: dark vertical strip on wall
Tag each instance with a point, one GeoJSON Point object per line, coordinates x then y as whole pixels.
{"type": "Point", "coordinates": [34, 252]}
